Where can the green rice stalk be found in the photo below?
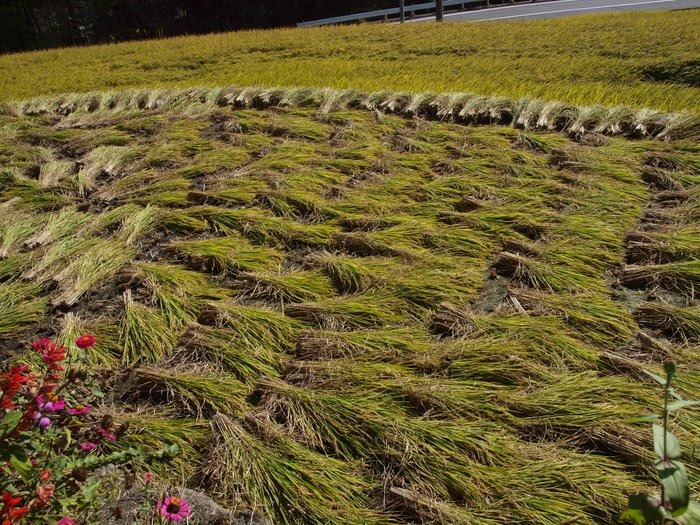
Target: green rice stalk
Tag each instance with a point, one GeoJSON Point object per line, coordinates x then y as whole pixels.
{"type": "Point", "coordinates": [355, 311]}
{"type": "Point", "coordinates": [341, 425]}
{"type": "Point", "coordinates": [252, 327]}
{"type": "Point", "coordinates": [20, 305]}
{"type": "Point", "coordinates": [15, 227]}
{"type": "Point", "coordinates": [674, 321]}
{"type": "Point", "coordinates": [58, 226]}
{"type": "Point", "coordinates": [258, 465]}
{"type": "Point", "coordinates": [284, 287]}
{"type": "Point", "coordinates": [397, 345]}
{"type": "Point", "coordinates": [598, 319]}
{"type": "Point", "coordinates": [54, 172]}
{"type": "Point", "coordinates": [139, 224]}
{"type": "Point", "coordinates": [178, 292]}
{"type": "Point", "coordinates": [193, 390]}
{"type": "Point", "coordinates": [228, 254]}
{"type": "Point", "coordinates": [222, 347]}
{"type": "Point", "coordinates": [145, 335]}
{"type": "Point", "coordinates": [680, 276]}
{"type": "Point", "coordinates": [153, 428]}
{"type": "Point", "coordinates": [96, 261]}
{"type": "Point", "coordinates": [347, 275]}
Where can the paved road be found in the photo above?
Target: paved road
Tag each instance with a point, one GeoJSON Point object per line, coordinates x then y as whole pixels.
{"type": "Point", "coordinates": [558, 8]}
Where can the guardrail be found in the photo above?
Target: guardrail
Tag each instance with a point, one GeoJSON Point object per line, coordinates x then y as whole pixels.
{"type": "Point", "coordinates": [394, 11]}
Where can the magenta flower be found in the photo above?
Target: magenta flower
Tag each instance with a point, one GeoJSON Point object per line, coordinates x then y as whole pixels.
{"type": "Point", "coordinates": [66, 521]}
{"type": "Point", "coordinates": [44, 422]}
{"type": "Point", "coordinates": [87, 446]}
{"type": "Point", "coordinates": [50, 403]}
{"type": "Point", "coordinates": [106, 433]}
{"type": "Point", "coordinates": [78, 410]}
{"type": "Point", "coordinates": [174, 508]}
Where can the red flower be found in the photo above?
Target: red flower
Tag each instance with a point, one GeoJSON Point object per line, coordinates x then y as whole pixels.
{"type": "Point", "coordinates": [15, 378]}
{"type": "Point", "coordinates": [11, 382]}
{"type": "Point", "coordinates": [6, 403]}
{"type": "Point", "coordinates": [41, 344]}
{"type": "Point", "coordinates": [45, 475]}
{"type": "Point", "coordinates": [85, 341]}
{"type": "Point", "coordinates": [8, 510]}
{"type": "Point", "coordinates": [53, 354]}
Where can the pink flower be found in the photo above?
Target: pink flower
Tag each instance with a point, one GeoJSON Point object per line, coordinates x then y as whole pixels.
{"type": "Point", "coordinates": [148, 477]}
{"type": "Point", "coordinates": [66, 521]}
{"type": "Point", "coordinates": [50, 402]}
{"type": "Point", "coordinates": [174, 508]}
{"type": "Point", "coordinates": [43, 495]}
{"type": "Point", "coordinates": [78, 410]}
{"type": "Point", "coordinates": [87, 446]}
{"type": "Point", "coordinates": [85, 341]}
{"type": "Point", "coordinates": [106, 433]}
{"type": "Point", "coordinates": [41, 344]}
{"type": "Point", "coordinates": [44, 422]}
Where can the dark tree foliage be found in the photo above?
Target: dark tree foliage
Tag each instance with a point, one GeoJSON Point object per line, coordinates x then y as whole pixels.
{"type": "Point", "coordinates": [40, 24]}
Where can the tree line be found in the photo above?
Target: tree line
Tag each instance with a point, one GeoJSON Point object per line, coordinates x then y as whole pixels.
{"type": "Point", "coordinates": [41, 24]}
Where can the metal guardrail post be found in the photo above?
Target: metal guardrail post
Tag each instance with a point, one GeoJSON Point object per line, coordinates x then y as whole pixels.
{"type": "Point", "coordinates": [439, 10]}
{"type": "Point", "coordinates": [402, 11]}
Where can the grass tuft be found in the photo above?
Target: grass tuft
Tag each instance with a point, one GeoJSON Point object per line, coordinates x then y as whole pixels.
{"type": "Point", "coordinates": [228, 254]}
{"type": "Point", "coordinates": [145, 335]}
{"type": "Point", "coordinates": [259, 465]}
{"type": "Point", "coordinates": [197, 392]}
{"type": "Point", "coordinates": [20, 305]}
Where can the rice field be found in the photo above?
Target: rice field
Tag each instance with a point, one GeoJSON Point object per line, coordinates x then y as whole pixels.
{"type": "Point", "coordinates": [358, 308]}
{"type": "Point", "coordinates": [632, 59]}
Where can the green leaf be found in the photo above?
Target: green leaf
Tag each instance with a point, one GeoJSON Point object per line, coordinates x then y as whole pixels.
{"type": "Point", "coordinates": [674, 394]}
{"type": "Point", "coordinates": [691, 516]}
{"type": "Point", "coordinates": [10, 422]}
{"type": "Point", "coordinates": [656, 377]}
{"type": "Point", "coordinates": [674, 479]}
{"type": "Point", "coordinates": [634, 516]}
{"type": "Point", "coordinates": [69, 436]}
{"type": "Point", "coordinates": [645, 509]}
{"type": "Point", "coordinates": [20, 462]}
{"type": "Point", "coordinates": [677, 405]}
{"type": "Point", "coordinates": [643, 419]}
{"type": "Point", "coordinates": [673, 446]}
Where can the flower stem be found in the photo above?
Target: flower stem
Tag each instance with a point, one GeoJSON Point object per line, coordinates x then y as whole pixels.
{"type": "Point", "coordinates": [666, 389]}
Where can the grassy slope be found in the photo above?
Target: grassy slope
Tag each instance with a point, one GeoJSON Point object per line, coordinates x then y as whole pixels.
{"type": "Point", "coordinates": [303, 301]}
{"type": "Point", "coordinates": [581, 60]}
